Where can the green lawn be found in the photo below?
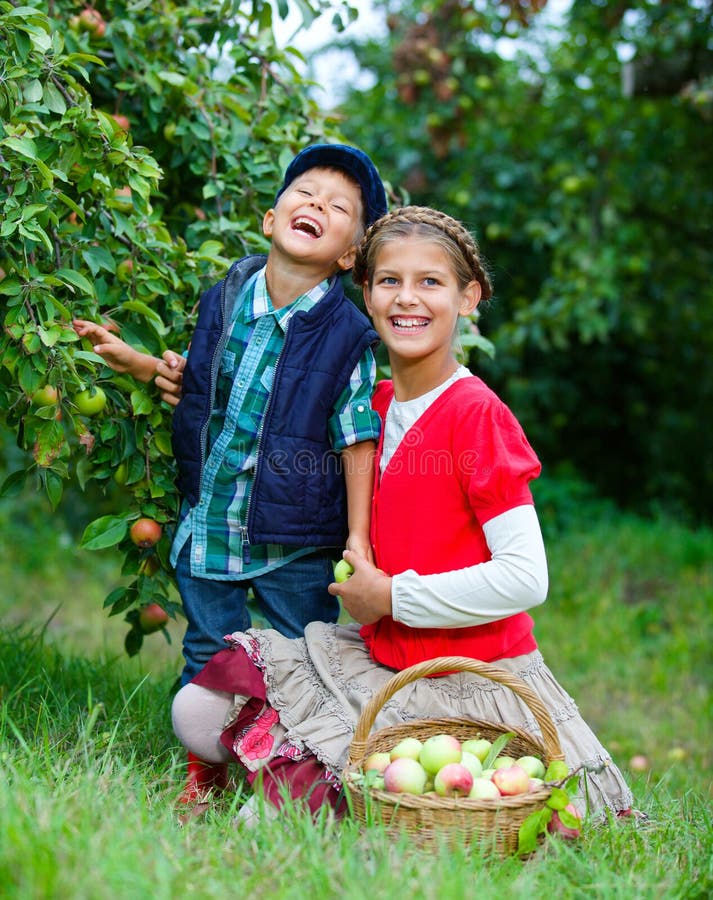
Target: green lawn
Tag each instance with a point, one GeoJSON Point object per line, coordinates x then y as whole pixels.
{"type": "Point", "coordinates": [89, 767]}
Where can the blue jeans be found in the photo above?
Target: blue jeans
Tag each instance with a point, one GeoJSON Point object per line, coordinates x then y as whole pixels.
{"type": "Point", "coordinates": [289, 597]}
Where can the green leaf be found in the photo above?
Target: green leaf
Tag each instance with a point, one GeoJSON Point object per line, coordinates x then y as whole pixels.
{"type": "Point", "coordinates": [115, 595]}
{"type": "Point", "coordinates": [104, 532]}
{"type": "Point", "coordinates": [498, 745]}
{"type": "Point", "coordinates": [13, 484]}
{"type": "Point", "coordinates": [534, 825]}
{"type": "Point", "coordinates": [72, 278]}
{"type": "Point", "coordinates": [54, 99]}
{"type": "Point", "coordinates": [557, 770]}
{"type": "Point", "coordinates": [133, 641]}
{"type": "Point", "coordinates": [558, 799]}
{"type": "Point", "coordinates": [98, 258]}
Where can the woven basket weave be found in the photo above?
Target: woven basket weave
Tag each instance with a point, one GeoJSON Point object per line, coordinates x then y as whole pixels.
{"type": "Point", "coordinates": [427, 819]}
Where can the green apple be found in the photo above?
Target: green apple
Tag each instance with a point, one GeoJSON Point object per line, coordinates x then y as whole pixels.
{"type": "Point", "coordinates": [45, 396]}
{"type": "Point", "coordinates": [472, 763]}
{"type": "Point", "coordinates": [503, 762]}
{"type": "Point", "coordinates": [479, 747]}
{"type": "Point", "coordinates": [534, 767]}
{"type": "Point", "coordinates": [90, 402]}
{"type": "Point", "coordinates": [342, 571]}
{"type": "Point", "coordinates": [439, 750]}
{"type": "Point", "coordinates": [409, 747]}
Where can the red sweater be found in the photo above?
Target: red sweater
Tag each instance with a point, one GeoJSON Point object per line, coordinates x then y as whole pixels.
{"type": "Point", "coordinates": [465, 461]}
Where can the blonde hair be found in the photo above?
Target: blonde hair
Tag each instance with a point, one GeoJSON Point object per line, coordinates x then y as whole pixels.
{"type": "Point", "coordinates": [455, 240]}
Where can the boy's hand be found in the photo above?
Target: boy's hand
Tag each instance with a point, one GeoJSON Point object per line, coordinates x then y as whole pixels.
{"type": "Point", "coordinates": [169, 377]}
{"type": "Point", "coordinates": [117, 354]}
{"type": "Point", "coordinates": [366, 595]}
{"type": "Point", "coordinates": [360, 545]}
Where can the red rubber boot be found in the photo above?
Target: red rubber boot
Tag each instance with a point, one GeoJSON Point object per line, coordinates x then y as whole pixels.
{"type": "Point", "coordinates": [203, 778]}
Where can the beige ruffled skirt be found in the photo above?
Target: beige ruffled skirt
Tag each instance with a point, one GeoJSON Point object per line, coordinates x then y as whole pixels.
{"type": "Point", "coordinates": [320, 684]}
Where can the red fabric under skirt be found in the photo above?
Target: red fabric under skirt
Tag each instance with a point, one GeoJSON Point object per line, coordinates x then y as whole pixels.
{"type": "Point", "coordinates": [305, 779]}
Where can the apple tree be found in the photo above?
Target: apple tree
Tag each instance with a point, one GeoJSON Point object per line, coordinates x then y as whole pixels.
{"type": "Point", "coordinates": [140, 144]}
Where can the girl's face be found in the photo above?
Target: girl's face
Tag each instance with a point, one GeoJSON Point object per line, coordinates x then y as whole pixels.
{"type": "Point", "coordinates": [414, 300]}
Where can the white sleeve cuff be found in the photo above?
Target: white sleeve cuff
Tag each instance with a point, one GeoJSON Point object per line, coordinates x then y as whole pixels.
{"type": "Point", "coordinates": [514, 580]}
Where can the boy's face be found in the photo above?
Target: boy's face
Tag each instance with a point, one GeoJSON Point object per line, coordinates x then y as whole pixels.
{"type": "Point", "coordinates": [317, 220]}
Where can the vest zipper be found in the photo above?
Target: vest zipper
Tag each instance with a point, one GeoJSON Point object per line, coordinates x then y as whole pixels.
{"type": "Point", "coordinates": [217, 353]}
{"type": "Point", "coordinates": [258, 440]}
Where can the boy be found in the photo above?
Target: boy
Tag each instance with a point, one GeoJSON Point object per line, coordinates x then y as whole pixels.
{"type": "Point", "coordinates": [276, 387]}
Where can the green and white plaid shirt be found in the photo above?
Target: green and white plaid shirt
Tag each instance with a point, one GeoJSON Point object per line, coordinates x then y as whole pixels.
{"type": "Point", "coordinates": [244, 383]}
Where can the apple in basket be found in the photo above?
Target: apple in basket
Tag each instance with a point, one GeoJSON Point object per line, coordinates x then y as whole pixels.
{"type": "Point", "coordinates": [453, 780]}
{"type": "Point", "coordinates": [479, 747]}
{"type": "Point", "coordinates": [564, 825]}
{"type": "Point", "coordinates": [534, 767]}
{"type": "Point", "coordinates": [484, 789]}
{"type": "Point", "coordinates": [438, 750]}
{"type": "Point", "coordinates": [405, 776]}
{"type": "Point", "coordinates": [377, 762]}
{"type": "Point", "coordinates": [409, 747]}
{"type": "Point", "coordinates": [511, 780]}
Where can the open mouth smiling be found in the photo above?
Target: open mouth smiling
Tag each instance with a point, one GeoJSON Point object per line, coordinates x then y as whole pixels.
{"type": "Point", "coordinates": [401, 323]}
{"type": "Point", "coordinates": [307, 226]}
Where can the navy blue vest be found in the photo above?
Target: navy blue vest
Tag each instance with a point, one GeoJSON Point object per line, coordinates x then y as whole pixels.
{"type": "Point", "coordinates": [298, 496]}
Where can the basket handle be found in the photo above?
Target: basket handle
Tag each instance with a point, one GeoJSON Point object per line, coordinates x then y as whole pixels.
{"type": "Point", "coordinates": [450, 664]}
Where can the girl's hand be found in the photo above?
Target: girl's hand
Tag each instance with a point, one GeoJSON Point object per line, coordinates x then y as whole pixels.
{"type": "Point", "coordinates": [366, 595]}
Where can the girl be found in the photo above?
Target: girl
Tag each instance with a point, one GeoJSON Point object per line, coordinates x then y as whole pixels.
{"type": "Point", "coordinates": [458, 551]}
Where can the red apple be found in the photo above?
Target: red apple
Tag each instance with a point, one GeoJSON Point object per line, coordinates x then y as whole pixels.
{"type": "Point", "coordinates": [152, 617]}
{"type": "Point", "coordinates": [92, 21]}
{"type": "Point", "coordinates": [125, 270]}
{"type": "Point", "coordinates": [639, 763]}
{"type": "Point", "coordinates": [405, 776]}
{"type": "Point", "coordinates": [556, 826]}
{"type": "Point", "coordinates": [511, 780]}
{"type": "Point", "coordinates": [122, 121]}
{"type": "Point", "coordinates": [453, 780]}
{"type": "Point", "coordinates": [439, 750]}
{"type": "Point", "coordinates": [145, 532]}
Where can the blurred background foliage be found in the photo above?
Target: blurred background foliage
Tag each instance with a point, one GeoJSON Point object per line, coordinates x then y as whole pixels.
{"type": "Point", "coordinates": [581, 159]}
{"type": "Point", "coordinates": [140, 144]}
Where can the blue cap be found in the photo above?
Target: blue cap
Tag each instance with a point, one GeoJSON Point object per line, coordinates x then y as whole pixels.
{"type": "Point", "coordinates": [350, 160]}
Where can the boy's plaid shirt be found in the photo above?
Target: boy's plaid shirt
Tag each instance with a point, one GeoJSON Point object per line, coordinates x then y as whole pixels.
{"type": "Point", "coordinates": [246, 371]}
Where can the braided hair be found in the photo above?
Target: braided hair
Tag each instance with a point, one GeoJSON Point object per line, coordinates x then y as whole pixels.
{"type": "Point", "coordinates": [408, 221]}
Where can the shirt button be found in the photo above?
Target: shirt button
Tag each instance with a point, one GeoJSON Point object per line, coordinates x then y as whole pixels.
{"type": "Point", "coordinates": [361, 408]}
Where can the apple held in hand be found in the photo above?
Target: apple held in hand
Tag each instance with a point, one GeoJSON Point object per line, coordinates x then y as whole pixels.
{"type": "Point", "coordinates": [342, 571]}
{"type": "Point", "coordinates": [145, 532]}
{"type": "Point", "coordinates": [511, 780]}
{"type": "Point", "coordinates": [439, 750]}
{"type": "Point", "coordinates": [409, 747]}
{"type": "Point", "coordinates": [453, 780]}
{"type": "Point", "coordinates": [152, 618]}
{"type": "Point", "coordinates": [405, 776]}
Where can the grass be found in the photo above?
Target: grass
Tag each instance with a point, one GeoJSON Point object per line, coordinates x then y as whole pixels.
{"type": "Point", "coordinates": [89, 766]}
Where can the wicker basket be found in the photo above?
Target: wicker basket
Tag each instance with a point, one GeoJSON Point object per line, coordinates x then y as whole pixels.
{"type": "Point", "coordinates": [428, 820]}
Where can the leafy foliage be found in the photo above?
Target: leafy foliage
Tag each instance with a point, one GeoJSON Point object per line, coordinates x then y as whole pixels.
{"type": "Point", "coordinates": [140, 145]}
{"type": "Point", "coordinates": [579, 155]}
